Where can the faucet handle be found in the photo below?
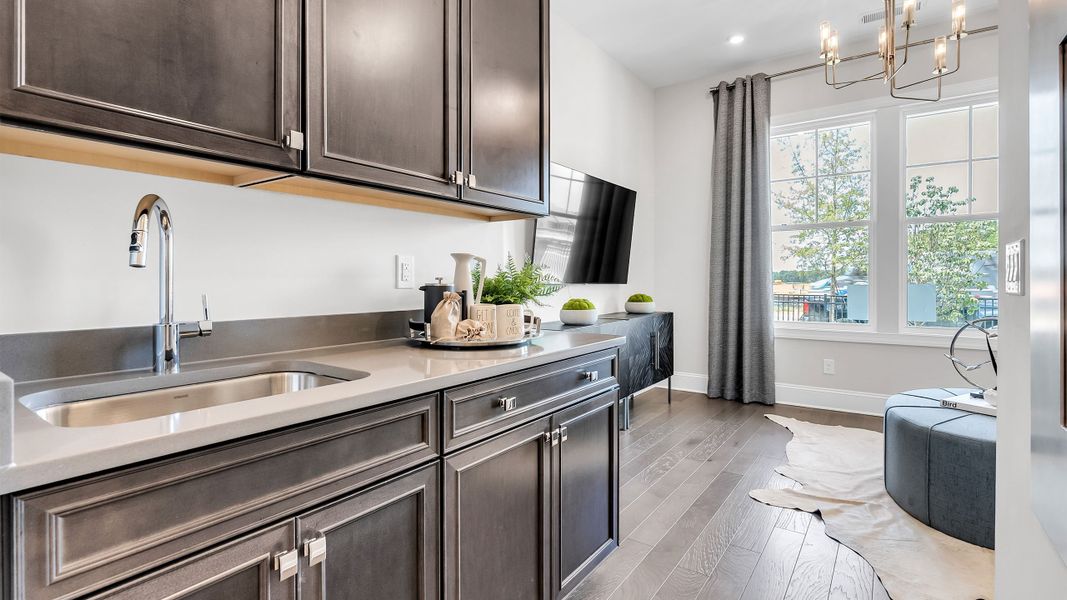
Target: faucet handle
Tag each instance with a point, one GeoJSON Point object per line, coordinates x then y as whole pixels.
{"type": "Point", "coordinates": [201, 328]}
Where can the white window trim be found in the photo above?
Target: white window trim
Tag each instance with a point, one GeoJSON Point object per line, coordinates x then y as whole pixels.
{"type": "Point", "coordinates": [888, 318]}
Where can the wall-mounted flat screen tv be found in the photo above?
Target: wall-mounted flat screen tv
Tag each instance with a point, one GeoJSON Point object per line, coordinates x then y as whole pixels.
{"type": "Point", "coordinates": [586, 236]}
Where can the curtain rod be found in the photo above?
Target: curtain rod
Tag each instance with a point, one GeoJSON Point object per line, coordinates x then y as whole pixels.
{"type": "Point", "coordinates": [859, 56]}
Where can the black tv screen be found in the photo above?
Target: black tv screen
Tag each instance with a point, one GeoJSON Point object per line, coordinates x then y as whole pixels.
{"type": "Point", "coordinates": [586, 236]}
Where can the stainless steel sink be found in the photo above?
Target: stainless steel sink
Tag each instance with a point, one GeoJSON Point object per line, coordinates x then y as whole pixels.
{"type": "Point", "coordinates": [87, 406]}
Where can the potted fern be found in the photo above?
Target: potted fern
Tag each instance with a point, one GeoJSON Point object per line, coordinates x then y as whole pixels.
{"type": "Point", "coordinates": [511, 290]}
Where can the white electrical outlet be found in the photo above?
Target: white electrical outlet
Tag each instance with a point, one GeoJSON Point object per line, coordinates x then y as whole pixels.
{"type": "Point", "coordinates": [1013, 268]}
{"type": "Point", "coordinates": [405, 272]}
{"type": "Point", "coordinates": [828, 366]}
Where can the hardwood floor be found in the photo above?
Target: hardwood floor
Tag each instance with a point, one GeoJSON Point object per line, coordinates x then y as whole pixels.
{"type": "Point", "coordinates": [691, 532]}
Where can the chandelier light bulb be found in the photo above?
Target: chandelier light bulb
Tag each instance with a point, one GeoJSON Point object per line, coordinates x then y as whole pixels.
{"type": "Point", "coordinates": [959, 19]}
{"type": "Point", "coordinates": [908, 13]}
{"type": "Point", "coordinates": [940, 55]}
{"type": "Point", "coordinates": [883, 42]}
{"type": "Point", "coordinates": [824, 39]}
{"type": "Point", "coordinates": [834, 55]}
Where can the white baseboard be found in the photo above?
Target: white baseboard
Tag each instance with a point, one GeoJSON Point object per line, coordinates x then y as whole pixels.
{"type": "Point", "coordinates": [864, 403]}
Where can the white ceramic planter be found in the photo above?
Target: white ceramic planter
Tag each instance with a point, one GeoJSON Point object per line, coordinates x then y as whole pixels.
{"type": "Point", "coordinates": [640, 307]}
{"type": "Point", "coordinates": [578, 317]}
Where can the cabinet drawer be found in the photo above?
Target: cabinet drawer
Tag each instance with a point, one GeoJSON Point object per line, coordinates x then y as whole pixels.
{"type": "Point", "coordinates": [81, 536]}
{"type": "Point", "coordinates": [474, 412]}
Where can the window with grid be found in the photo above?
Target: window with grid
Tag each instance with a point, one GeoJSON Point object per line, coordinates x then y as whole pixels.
{"type": "Point", "coordinates": [820, 218]}
{"type": "Point", "coordinates": [950, 215]}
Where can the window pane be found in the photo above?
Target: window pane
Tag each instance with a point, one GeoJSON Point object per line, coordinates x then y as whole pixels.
{"type": "Point", "coordinates": [952, 272]}
{"type": "Point", "coordinates": [793, 202]}
{"type": "Point", "coordinates": [845, 198]}
{"type": "Point", "coordinates": [985, 131]}
{"type": "Point", "coordinates": [793, 156]}
{"type": "Point", "coordinates": [937, 137]}
{"type": "Point", "coordinates": [984, 186]}
{"type": "Point", "coordinates": [845, 149]}
{"type": "Point", "coordinates": [937, 190]}
{"type": "Point", "coordinates": [815, 271]}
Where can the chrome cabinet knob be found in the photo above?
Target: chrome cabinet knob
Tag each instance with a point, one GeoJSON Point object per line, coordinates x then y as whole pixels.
{"type": "Point", "coordinates": [287, 563]}
{"type": "Point", "coordinates": [591, 375]}
{"type": "Point", "coordinates": [315, 550]}
{"type": "Point", "coordinates": [505, 402]}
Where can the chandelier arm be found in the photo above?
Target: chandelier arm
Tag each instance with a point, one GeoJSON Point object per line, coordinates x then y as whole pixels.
{"type": "Point", "coordinates": [838, 85]}
{"type": "Point", "coordinates": [938, 76]}
{"type": "Point", "coordinates": [892, 92]}
{"type": "Point", "coordinates": [907, 45]}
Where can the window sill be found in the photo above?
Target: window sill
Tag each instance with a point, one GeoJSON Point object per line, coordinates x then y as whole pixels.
{"type": "Point", "coordinates": [867, 336]}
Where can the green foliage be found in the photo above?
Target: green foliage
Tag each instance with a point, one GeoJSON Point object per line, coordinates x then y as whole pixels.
{"type": "Point", "coordinates": [944, 254]}
{"type": "Point", "coordinates": [578, 304]}
{"type": "Point", "coordinates": [513, 284]}
{"type": "Point", "coordinates": [640, 298]}
{"type": "Point", "coordinates": [832, 252]}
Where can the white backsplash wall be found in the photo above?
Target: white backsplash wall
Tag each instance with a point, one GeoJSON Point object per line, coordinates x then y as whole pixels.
{"type": "Point", "coordinates": [602, 120]}
{"type": "Point", "coordinates": [64, 230]}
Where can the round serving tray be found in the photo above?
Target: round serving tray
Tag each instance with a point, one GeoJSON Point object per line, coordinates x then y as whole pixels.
{"type": "Point", "coordinates": [420, 337]}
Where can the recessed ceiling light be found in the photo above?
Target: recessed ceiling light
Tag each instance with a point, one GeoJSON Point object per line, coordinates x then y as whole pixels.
{"type": "Point", "coordinates": [736, 38]}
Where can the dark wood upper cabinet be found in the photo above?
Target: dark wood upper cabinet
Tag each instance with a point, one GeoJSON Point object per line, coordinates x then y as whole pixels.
{"type": "Point", "coordinates": [207, 77]}
{"type": "Point", "coordinates": [505, 103]}
{"type": "Point", "coordinates": [382, 92]}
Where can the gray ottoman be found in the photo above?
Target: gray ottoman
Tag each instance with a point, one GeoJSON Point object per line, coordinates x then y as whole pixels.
{"type": "Point", "coordinates": [940, 463]}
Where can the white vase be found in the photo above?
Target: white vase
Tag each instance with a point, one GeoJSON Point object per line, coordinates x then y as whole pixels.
{"type": "Point", "coordinates": [462, 281]}
{"type": "Point", "coordinates": [510, 323]}
{"type": "Point", "coordinates": [578, 317]}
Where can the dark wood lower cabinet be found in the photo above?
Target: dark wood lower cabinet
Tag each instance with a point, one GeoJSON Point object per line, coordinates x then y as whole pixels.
{"type": "Point", "coordinates": [239, 570]}
{"type": "Point", "coordinates": [380, 543]}
{"type": "Point", "coordinates": [497, 517]}
{"type": "Point", "coordinates": [531, 512]}
{"type": "Point", "coordinates": [585, 489]}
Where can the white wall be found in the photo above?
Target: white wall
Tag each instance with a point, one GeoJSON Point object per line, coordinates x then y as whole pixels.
{"type": "Point", "coordinates": [602, 124]}
{"type": "Point", "coordinates": [684, 133]}
{"type": "Point", "coordinates": [64, 228]}
{"type": "Point", "coordinates": [1027, 564]}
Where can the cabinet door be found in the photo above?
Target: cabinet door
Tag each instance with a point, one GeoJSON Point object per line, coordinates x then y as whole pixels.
{"type": "Point", "coordinates": [585, 488]}
{"type": "Point", "coordinates": [505, 99]}
{"type": "Point", "coordinates": [241, 570]}
{"type": "Point", "coordinates": [497, 501]}
{"type": "Point", "coordinates": [641, 343]}
{"type": "Point", "coordinates": [382, 92]}
{"type": "Point", "coordinates": [380, 543]}
{"type": "Point", "coordinates": [221, 78]}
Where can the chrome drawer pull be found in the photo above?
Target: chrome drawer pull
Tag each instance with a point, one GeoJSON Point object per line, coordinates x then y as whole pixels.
{"type": "Point", "coordinates": [591, 375]}
{"type": "Point", "coordinates": [287, 563]}
{"type": "Point", "coordinates": [507, 403]}
{"type": "Point", "coordinates": [315, 550]}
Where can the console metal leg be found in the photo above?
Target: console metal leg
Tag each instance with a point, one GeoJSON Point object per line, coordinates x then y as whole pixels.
{"type": "Point", "coordinates": [624, 416]}
{"type": "Point", "coordinates": [668, 390]}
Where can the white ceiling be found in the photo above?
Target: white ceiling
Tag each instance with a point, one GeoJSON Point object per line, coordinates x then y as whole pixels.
{"type": "Point", "coordinates": [668, 41]}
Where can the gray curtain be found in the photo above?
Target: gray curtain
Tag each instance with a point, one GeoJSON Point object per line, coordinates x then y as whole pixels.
{"type": "Point", "coordinates": [740, 317]}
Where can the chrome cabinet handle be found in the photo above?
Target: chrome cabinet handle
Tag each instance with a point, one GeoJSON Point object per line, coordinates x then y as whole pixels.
{"type": "Point", "coordinates": [505, 402]}
{"type": "Point", "coordinates": [287, 563]}
{"type": "Point", "coordinates": [315, 550]}
{"type": "Point", "coordinates": [562, 434]}
{"type": "Point", "coordinates": [552, 437]}
{"type": "Point", "coordinates": [591, 375]}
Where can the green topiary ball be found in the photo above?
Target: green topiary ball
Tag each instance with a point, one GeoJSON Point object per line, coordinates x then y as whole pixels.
{"type": "Point", "coordinates": [640, 298]}
{"type": "Point", "coordinates": [579, 304]}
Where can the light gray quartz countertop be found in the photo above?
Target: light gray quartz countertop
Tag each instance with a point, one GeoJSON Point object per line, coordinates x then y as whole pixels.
{"type": "Point", "coordinates": [43, 453]}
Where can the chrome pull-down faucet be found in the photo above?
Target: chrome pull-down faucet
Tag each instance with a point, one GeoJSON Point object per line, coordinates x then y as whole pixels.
{"type": "Point", "coordinates": [166, 333]}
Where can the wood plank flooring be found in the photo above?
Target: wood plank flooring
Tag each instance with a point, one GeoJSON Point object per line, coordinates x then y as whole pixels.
{"type": "Point", "coordinates": [691, 532]}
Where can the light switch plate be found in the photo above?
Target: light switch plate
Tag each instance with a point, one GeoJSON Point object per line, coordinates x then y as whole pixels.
{"type": "Point", "coordinates": [405, 272]}
{"type": "Point", "coordinates": [1014, 272]}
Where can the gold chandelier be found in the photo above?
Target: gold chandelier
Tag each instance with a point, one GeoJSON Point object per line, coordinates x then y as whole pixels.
{"type": "Point", "coordinates": [887, 50]}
